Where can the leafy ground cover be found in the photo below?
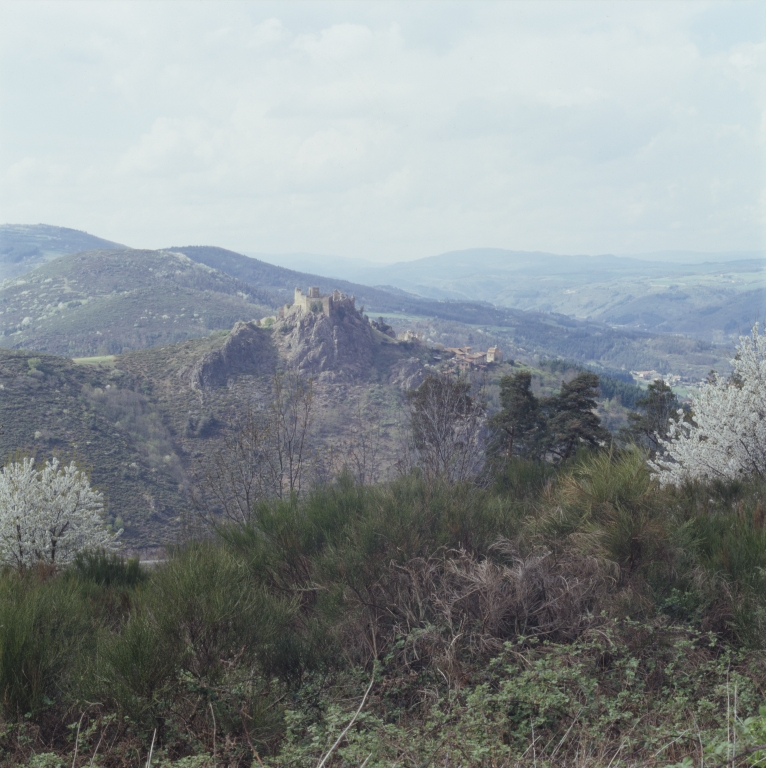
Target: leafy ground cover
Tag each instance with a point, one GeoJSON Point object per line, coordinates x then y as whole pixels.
{"type": "Point", "coordinates": [577, 615]}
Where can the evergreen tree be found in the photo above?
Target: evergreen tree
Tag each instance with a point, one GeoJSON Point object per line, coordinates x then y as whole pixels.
{"type": "Point", "coordinates": [571, 418]}
{"type": "Point", "coordinates": [657, 408]}
{"type": "Point", "coordinates": [518, 428]}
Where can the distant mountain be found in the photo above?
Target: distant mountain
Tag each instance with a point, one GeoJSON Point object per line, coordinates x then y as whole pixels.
{"type": "Point", "coordinates": [341, 267]}
{"type": "Point", "coordinates": [709, 299]}
{"type": "Point", "coordinates": [284, 281]}
{"type": "Point", "coordinates": [528, 332]}
{"type": "Point", "coordinates": [108, 302]}
{"type": "Point", "coordinates": [26, 246]}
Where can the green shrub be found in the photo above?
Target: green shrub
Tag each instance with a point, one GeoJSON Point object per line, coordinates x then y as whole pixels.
{"type": "Point", "coordinates": [137, 669]}
{"type": "Point", "coordinates": [108, 569]}
{"type": "Point", "coordinates": [45, 633]}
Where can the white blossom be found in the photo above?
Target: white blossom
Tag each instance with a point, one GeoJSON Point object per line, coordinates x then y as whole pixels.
{"type": "Point", "coordinates": [727, 437]}
{"type": "Point", "coordinates": [49, 515]}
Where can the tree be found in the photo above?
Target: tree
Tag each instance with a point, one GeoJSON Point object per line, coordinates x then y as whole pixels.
{"type": "Point", "coordinates": [49, 515]}
{"type": "Point", "coordinates": [291, 416]}
{"type": "Point", "coordinates": [445, 425]}
{"type": "Point", "coordinates": [357, 451]}
{"type": "Point", "coordinates": [657, 409]}
{"type": "Point", "coordinates": [571, 418]}
{"type": "Point", "coordinates": [519, 426]}
{"type": "Point", "coordinates": [726, 436]}
{"type": "Point", "coordinates": [265, 453]}
{"type": "Point", "coordinates": [238, 474]}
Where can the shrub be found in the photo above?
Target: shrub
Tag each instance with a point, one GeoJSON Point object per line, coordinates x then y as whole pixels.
{"type": "Point", "coordinates": [45, 633]}
{"type": "Point", "coordinates": [108, 569]}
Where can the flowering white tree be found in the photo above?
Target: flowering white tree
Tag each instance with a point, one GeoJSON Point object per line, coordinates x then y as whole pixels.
{"type": "Point", "coordinates": [727, 437]}
{"type": "Point", "coordinates": [48, 515]}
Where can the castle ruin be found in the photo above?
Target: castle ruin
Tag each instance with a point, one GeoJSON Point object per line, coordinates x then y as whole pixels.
{"type": "Point", "coordinates": [314, 301]}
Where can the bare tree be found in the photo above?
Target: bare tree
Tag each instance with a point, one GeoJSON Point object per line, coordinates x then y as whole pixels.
{"type": "Point", "coordinates": [446, 424]}
{"type": "Point", "coordinates": [291, 416]}
{"type": "Point", "coordinates": [359, 449]}
{"type": "Point", "coordinates": [238, 474]}
{"type": "Point", "coordinates": [264, 453]}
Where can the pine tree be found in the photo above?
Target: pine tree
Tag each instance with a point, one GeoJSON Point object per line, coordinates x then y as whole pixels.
{"type": "Point", "coordinates": [518, 429]}
{"type": "Point", "coordinates": [649, 427]}
{"type": "Point", "coordinates": [571, 418]}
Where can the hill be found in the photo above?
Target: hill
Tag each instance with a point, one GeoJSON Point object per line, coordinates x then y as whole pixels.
{"type": "Point", "coordinates": [284, 281]}
{"type": "Point", "coordinates": [106, 304]}
{"type": "Point", "coordinates": [143, 421]}
{"type": "Point", "coordinates": [98, 416]}
{"type": "Point", "coordinates": [713, 299]}
{"type": "Point", "coordinates": [109, 302]}
{"type": "Point", "coordinates": [26, 246]}
{"type": "Point", "coordinates": [146, 422]}
{"type": "Point", "coordinates": [455, 322]}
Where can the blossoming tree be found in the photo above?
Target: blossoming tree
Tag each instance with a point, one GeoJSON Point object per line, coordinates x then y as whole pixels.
{"type": "Point", "coordinates": [48, 515]}
{"type": "Point", "coordinates": [727, 437]}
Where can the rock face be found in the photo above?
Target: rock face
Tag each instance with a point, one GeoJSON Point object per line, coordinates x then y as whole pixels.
{"type": "Point", "coordinates": [338, 345]}
{"type": "Point", "coordinates": [248, 349]}
{"type": "Point", "coordinates": [407, 374]}
{"type": "Point", "coordinates": [331, 344]}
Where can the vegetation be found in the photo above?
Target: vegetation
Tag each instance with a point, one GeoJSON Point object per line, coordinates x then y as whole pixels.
{"type": "Point", "coordinates": [110, 302]}
{"type": "Point", "coordinates": [108, 422]}
{"type": "Point", "coordinates": [49, 516]}
{"type": "Point", "coordinates": [553, 427]}
{"type": "Point", "coordinates": [571, 615]}
{"type": "Point", "coordinates": [567, 612]}
{"type": "Point", "coordinates": [444, 427]}
{"type": "Point", "coordinates": [649, 426]}
{"type": "Point", "coordinates": [725, 438]}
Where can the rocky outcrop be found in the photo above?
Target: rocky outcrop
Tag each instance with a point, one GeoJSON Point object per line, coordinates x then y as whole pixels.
{"type": "Point", "coordinates": [248, 349]}
{"type": "Point", "coordinates": [407, 374]}
{"type": "Point", "coordinates": [340, 345]}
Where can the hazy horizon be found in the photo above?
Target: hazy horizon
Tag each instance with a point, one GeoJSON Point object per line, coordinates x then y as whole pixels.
{"type": "Point", "coordinates": [388, 131]}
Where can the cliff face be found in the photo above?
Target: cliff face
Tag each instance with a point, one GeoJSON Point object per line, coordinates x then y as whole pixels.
{"type": "Point", "coordinates": [248, 349]}
{"type": "Point", "coordinates": [338, 346]}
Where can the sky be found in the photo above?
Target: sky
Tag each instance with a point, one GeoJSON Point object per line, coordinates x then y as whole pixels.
{"type": "Point", "coordinates": [388, 131]}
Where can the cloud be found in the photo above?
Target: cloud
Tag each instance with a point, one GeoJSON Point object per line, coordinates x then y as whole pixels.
{"type": "Point", "coordinates": [387, 130]}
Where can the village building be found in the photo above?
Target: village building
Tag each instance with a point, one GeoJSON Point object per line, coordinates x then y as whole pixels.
{"type": "Point", "coordinates": [465, 358]}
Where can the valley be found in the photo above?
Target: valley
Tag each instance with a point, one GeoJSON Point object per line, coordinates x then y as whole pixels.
{"type": "Point", "coordinates": [138, 365]}
{"type": "Point", "coordinates": [713, 297]}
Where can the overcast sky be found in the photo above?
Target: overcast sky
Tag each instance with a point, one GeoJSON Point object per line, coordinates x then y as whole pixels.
{"type": "Point", "coordinates": [389, 130]}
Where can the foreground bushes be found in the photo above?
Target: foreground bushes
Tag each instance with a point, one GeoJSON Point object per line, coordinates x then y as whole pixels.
{"type": "Point", "coordinates": [588, 614]}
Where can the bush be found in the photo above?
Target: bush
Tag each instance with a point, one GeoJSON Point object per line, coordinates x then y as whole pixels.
{"type": "Point", "coordinates": [483, 614]}
{"type": "Point", "coordinates": [108, 569]}
{"type": "Point", "coordinates": [45, 633]}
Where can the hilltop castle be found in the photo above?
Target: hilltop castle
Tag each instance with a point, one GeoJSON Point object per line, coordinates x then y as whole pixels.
{"type": "Point", "coordinates": [313, 301]}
